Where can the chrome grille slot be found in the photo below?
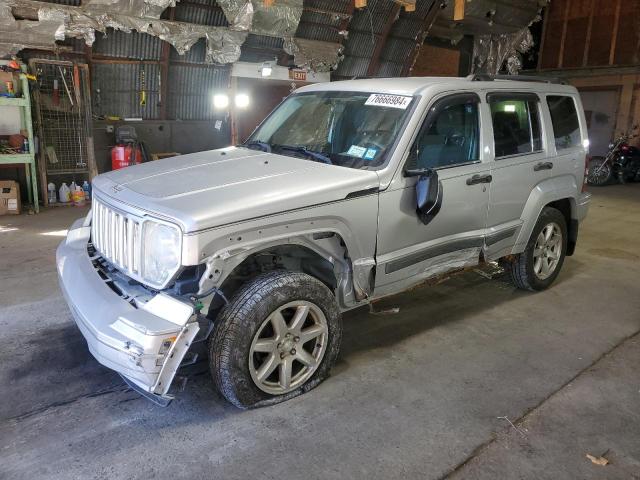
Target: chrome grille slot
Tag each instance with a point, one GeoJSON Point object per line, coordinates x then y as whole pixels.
{"type": "Point", "coordinates": [116, 237]}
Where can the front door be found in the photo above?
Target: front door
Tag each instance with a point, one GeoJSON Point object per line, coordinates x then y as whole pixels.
{"type": "Point", "coordinates": [450, 144]}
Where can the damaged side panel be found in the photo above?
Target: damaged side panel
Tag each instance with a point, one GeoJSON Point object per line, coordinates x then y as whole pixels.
{"type": "Point", "coordinates": [342, 233]}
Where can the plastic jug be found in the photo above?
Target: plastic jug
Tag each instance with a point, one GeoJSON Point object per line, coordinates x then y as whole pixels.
{"type": "Point", "coordinates": [53, 197]}
{"type": "Point", "coordinates": [87, 191]}
{"type": "Point", "coordinates": [64, 193]}
{"type": "Point", "coordinates": [78, 196]}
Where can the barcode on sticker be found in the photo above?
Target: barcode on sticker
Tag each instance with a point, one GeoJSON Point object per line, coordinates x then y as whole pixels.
{"type": "Point", "coordinates": [392, 101]}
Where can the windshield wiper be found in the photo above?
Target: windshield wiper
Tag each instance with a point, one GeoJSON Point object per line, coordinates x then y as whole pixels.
{"type": "Point", "coordinates": [320, 157]}
{"type": "Point", "coordinates": [264, 146]}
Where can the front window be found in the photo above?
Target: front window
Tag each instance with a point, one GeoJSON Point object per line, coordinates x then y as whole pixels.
{"type": "Point", "coordinates": [349, 129]}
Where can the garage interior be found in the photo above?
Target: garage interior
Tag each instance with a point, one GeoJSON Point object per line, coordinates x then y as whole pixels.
{"type": "Point", "coordinates": [463, 377]}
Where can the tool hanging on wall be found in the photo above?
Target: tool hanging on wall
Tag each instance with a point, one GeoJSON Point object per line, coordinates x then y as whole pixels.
{"type": "Point", "coordinates": [55, 94]}
{"type": "Point", "coordinates": [76, 83]}
{"type": "Point", "coordinates": [159, 89]}
{"type": "Point", "coordinates": [66, 87]}
{"type": "Point", "coordinates": [143, 87]}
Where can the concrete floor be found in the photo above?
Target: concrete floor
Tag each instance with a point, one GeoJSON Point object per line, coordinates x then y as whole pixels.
{"type": "Point", "coordinates": [425, 393]}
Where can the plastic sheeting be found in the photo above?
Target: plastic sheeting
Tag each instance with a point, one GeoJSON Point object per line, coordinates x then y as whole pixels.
{"type": "Point", "coordinates": [313, 54]}
{"type": "Point", "coordinates": [57, 22]}
{"type": "Point", "coordinates": [137, 8]}
{"type": "Point", "coordinates": [18, 34]}
{"type": "Point", "coordinates": [491, 52]}
{"type": "Point", "coordinates": [280, 19]}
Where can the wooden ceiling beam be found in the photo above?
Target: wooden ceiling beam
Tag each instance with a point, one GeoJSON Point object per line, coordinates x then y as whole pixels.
{"type": "Point", "coordinates": [374, 63]}
{"type": "Point", "coordinates": [436, 7]}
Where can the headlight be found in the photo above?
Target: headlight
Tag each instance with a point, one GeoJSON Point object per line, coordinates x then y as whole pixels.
{"type": "Point", "coordinates": [161, 250]}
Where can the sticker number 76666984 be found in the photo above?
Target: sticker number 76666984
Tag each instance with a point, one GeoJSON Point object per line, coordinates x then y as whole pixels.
{"type": "Point", "coordinates": [386, 100]}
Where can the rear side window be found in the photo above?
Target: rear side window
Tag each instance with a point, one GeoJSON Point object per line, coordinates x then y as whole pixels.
{"type": "Point", "coordinates": [516, 124]}
{"type": "Point", "coordinates": [566, 126]}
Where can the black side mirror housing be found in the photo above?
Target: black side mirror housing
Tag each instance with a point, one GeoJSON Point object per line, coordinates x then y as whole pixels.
{"type": "Point", "coordinates": [428, 196]}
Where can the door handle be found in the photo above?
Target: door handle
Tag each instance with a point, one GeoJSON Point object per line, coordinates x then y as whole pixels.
{"type": "Point", "coordinates": [543, 166]}
{"type": "Point", "coordinates": [476, 179]}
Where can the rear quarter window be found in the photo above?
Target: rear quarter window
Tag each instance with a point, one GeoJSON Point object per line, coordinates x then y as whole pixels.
{"type": "Point", "coordinates": [566, 125]}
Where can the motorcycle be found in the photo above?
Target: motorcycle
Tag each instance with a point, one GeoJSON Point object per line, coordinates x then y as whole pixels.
{"type": "Point", "coordinates": [622, 163]}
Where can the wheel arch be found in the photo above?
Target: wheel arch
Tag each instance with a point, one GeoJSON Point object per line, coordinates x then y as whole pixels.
{"type": "Point", "coordinates": [322, 255]}
{"type": "Point", "coordinates": [558, 192]}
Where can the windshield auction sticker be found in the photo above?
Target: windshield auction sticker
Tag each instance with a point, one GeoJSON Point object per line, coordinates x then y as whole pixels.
{"type": "Point", "coordinates": [392, 101]}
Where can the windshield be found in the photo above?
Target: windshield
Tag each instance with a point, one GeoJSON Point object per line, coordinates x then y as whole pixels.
{"type": "Point", "coordinates": [349, 129]}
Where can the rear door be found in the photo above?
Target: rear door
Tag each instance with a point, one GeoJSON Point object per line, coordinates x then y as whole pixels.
{"type": "Point", "coordinates": [521, 161]}
{"type": "Point", "coordinates": [567, 136]}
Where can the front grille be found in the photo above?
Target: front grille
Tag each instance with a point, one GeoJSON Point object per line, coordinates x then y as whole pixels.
{"type": "Point", "coordinates": [117, 237]}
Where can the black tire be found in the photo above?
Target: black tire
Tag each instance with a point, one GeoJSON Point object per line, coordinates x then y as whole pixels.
{"type": "Point", "coordinates": [521, 268]}
{"type": "Point", "coordinates": [239, 321]}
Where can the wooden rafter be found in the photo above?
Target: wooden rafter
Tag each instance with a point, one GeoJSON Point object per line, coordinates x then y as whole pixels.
{"type": "Point", "coordinates": [409, 5]}
{"type": "Point", "coordinates": [436, 7]}
{"type": "Point", "coordinates": [374, 63]}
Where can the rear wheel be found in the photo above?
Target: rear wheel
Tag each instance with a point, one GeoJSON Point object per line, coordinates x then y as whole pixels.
{"type": "Point", "coordinates": [538, 266]}
{"type": "Point", "coordinates": [599, 173]}
{"type": "Point", "coordinates": [277, 338]}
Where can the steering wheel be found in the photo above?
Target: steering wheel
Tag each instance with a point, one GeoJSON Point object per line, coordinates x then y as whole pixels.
{"type": "Point", "coordinates": [456, 140]}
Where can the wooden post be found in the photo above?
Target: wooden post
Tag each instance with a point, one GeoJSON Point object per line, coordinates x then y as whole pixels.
{"type": "Point", "coordinates": [544, 36]}
{"type": "Point", "coordinates": [458, 10]}
{"type": "Point", "coordinates": [164, 71]}
{"type": "Point", "coordinates": [624, 108]}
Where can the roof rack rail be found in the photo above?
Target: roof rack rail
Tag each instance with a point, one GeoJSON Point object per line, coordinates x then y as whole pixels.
{"type": "Point", "coordinates": [485, 77]}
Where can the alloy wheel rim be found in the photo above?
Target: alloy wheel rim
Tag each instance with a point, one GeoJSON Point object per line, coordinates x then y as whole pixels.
{"type": "Point", "coordinates": [547, 251]}
{"type": "Point", "coordinates": [288, 347]}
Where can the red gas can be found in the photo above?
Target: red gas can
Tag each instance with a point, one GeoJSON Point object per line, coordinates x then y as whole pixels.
{"type": "Point", "coordinates": [125, 156]}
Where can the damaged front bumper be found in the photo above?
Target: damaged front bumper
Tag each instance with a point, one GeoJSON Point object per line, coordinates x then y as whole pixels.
{"type": "Point", "coordinates": [144, 342]}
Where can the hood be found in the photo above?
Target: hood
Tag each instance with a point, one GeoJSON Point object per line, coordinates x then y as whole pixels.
{"type": "Point", "coordinates": [209, 189]}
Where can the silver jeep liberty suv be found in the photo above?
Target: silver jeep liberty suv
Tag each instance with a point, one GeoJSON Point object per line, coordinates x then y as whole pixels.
{"type": "Point", "coordinates": [348, 192]}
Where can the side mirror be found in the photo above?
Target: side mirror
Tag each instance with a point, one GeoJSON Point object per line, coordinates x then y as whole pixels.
{"type": "Point", "coordinates": [428, 196]}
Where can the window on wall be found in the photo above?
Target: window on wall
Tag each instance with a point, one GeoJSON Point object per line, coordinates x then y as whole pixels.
{"type": "Point", "coordinates": [516, 124]}
{"type": "Point", "coordinates": [449, 138]}
{"type": "Point", "coordinates": [564, 117]}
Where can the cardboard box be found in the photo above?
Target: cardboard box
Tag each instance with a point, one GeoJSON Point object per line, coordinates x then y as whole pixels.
{"type": "Point", "coordinates": [10, 198]}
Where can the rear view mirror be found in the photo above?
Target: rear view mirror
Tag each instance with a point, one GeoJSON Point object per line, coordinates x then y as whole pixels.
{"type": "Point", "coordinates": [428, 196]}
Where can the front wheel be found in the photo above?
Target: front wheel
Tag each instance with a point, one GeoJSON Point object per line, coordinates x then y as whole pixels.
{"type": "Point", "coordinates": [600, 173]}
{"type": "Point", "coordinates": [277, 338]}
{"type": "Point", "coordinates": [538, 266]}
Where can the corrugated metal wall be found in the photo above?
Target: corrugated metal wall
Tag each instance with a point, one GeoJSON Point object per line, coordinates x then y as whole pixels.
{"type": "Point", "coordinates": [191, 90]}
{"type": "Point", "coordinates": [117, 90]}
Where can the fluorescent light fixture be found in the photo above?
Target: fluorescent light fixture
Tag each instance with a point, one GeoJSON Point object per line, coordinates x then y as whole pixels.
{"type": "Point", "coordinates": [510, 108]}
{"type": "Point", "coordinates": [242, 100]}
{"type": "Point", "coordinates": [220, 101]}
{"type": "Point", "coordinates": [266, 69]}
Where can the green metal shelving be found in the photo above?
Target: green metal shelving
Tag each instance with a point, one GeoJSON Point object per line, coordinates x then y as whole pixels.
{"type": "Point", "coordinates": [27, 159]}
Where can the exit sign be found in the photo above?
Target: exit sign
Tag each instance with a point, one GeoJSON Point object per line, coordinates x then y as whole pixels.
{"type": "Point", "coordinates": [300, 75]}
